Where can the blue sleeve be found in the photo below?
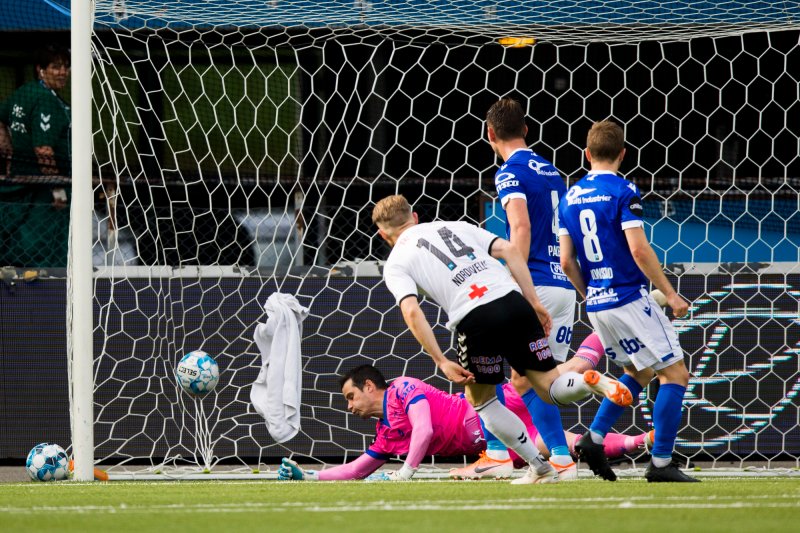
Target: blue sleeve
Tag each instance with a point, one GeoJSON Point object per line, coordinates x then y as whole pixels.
{"type": "Point", "coordinates": [508, 184]}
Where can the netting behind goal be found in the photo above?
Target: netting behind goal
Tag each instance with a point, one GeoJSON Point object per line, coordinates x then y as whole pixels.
{"type": "Point", "coordinates": [240, 146]}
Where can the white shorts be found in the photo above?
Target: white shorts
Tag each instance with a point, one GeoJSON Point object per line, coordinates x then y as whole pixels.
{"type": "Point", "coordinates": [560, 303]}
{"type": "Point", "coordinates": [638, 333]}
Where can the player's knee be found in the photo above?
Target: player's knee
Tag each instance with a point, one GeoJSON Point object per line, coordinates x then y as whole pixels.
{"type": "Point", "coordinates": [480, 396]}
{"type": "Point", "coordinates": [521, 383]}
{"type": "Point", "coordinates": [677, 374]}
{"type": "Point", "coordinates": [643, 377]}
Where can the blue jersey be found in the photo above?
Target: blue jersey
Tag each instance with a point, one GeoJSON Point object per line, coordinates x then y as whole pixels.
{"type": "Point", "coordinates": [529, 176]}
{"type": "Point", "coordinates": [595, 213]}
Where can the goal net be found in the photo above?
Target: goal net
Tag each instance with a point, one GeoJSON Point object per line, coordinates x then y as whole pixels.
{"type": "Point", "coordinates": [239, 147]}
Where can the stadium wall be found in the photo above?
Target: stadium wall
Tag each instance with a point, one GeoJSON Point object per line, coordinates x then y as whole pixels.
{"type": "Point", "coordinates": [741, 400]}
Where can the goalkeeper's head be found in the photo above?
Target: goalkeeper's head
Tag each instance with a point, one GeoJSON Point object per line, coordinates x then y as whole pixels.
{"type": "Point", "coordinates": [393, 215]}
{"type": "Point", "coordinates": [363, 388]}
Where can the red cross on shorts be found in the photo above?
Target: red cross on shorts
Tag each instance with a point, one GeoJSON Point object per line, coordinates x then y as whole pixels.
{"type": "Point", "coordinates": [477, 292]}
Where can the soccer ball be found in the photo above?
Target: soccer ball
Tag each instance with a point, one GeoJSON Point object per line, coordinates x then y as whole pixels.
{"type": "Point", "coordinates": [47, 462]}
{"type": "Point", "coordinates": [197, 373]}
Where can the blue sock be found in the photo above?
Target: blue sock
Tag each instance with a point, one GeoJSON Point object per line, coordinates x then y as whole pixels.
{"type": "Point", "coordinates": [609, 411]}
{"type": "Point", "coordinates": [492, 442]}
{"type": "Point", "coordinates": [547, 419]}
{"type": "Point", "coordinates": [667, 418]}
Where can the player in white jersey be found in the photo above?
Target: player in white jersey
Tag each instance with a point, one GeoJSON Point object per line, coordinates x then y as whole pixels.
{"type": "Point", "coordinates": [602, 228]}
{"type": "Point", "coordinates": [497, 316]}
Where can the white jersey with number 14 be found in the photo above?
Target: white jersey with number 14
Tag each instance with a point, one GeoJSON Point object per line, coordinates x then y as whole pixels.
{"type": "Point", "coordinates": [451, 263]}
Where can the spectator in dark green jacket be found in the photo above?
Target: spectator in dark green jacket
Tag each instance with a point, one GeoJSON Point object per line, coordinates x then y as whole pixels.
{"type": "Point", "coordinates": [35, 127]}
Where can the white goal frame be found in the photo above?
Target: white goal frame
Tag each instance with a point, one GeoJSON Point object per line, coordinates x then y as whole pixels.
{"type": "Point", "coordinates": [83, 274]}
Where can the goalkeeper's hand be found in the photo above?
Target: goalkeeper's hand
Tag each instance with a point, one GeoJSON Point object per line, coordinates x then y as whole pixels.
{"type": "Point", "coordinates": [404, 474]}
{"type": "Point", "coordinates": [290, 470]}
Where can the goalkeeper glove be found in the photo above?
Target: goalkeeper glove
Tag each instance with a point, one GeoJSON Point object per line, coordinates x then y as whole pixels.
{"type": "Point", "coordinates": [404, 474]}
{"type": "Point", "coordinates": [290, 470]}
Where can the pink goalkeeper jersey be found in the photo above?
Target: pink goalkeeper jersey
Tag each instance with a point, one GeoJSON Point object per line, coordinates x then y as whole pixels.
{"type": "Point", "coordinates": [455, 426]}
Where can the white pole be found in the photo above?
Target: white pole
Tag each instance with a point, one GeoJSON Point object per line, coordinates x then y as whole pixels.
{"type": "Point", "coordinates": [80, 262]}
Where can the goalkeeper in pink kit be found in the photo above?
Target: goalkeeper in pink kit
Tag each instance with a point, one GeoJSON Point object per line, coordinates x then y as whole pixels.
{"type": "Point", "coordinates": [417, 420]}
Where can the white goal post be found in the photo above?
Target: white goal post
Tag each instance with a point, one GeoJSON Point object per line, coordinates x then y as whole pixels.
{"type": "Point", "coordinates": [238, 146]}
{"type": "Point", "coordinates": [80, 320]}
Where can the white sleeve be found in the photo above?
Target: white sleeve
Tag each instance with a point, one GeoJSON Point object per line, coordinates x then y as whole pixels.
{"type": "Point", "coordinates": [399, 282]}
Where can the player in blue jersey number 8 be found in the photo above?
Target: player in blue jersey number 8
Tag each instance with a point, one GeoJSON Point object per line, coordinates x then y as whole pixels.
{"type": "Point", "coordinates": [606, 255]}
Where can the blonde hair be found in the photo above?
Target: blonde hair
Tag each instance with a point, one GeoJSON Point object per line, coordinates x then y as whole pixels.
{"type": "Point", "coordinates": [391, 212]}
{"type": "Point", "coordinates": [605, 140]}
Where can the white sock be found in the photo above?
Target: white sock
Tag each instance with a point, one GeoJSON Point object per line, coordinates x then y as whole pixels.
{"type": "Point", "coordinates": [569, 387]}
{"type": "Point", "coordinates": [498, 455]}
{"type": "Point", "coordinates": [510, 430]}
{"type": "Point", "coordinates": [661, 462]}
{"type": "Point", "coordinates": [562, 460]}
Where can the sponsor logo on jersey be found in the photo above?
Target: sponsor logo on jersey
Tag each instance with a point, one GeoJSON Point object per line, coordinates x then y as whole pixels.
{"type": "Point", "coordinates": [477, 292]}
{"type": "Point", "coordinates": [601, 295]}
{"type": "Point", "coordinates": [502, 177]}
{"type": "Point", "coordinates": [635, 207]}
{"type": "Point", "coordinates": [554, 250]}
{"type": "Point", "coordinates": [406, 389]}
{"type": "Point", "coordinates": [574, 194]}
{"type": "Point", "coordinates": [507, 184]}
{"type": "Point", "coordinates": [462, 275]}
{"type": "Point", "coordinates": [542, 168]}
{"type": "Point", "coordinates": [590, 199]}
{"type": "Point", "coordinates": [555, 270]}
{"type": "Point", "coordinates": [602, 273]}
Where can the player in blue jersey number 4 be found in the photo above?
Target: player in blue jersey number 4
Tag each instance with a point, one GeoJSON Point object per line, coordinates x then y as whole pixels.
{"type": "Point", "coordinates": [601, 227]}
{"type": "Point", "coordinates": [529, 188]}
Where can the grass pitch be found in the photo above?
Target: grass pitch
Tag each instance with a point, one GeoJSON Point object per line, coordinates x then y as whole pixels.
{"type": "Point", "coordinates": [715, 505]}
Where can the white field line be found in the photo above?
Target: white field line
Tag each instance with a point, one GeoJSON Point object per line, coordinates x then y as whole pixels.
{"type": "Point", "coordinates": [521, 504]}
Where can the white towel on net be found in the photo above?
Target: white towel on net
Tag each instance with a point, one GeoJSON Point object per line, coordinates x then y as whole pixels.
{"type": "Point", "coordinates": [276, 392]}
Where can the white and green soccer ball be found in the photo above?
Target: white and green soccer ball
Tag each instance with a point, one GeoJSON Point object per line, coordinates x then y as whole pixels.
{"type": "Point", "coordinates": [47, 462]}
{"type": "Point", "coordinates": [197, 373]}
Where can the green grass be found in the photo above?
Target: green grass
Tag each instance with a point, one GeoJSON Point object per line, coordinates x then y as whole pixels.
{"type": "Point", "coordinates": [724, 505]}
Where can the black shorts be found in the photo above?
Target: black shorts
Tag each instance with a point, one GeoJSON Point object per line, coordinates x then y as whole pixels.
{"type": "Point", "coordinates": [505, 329]}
